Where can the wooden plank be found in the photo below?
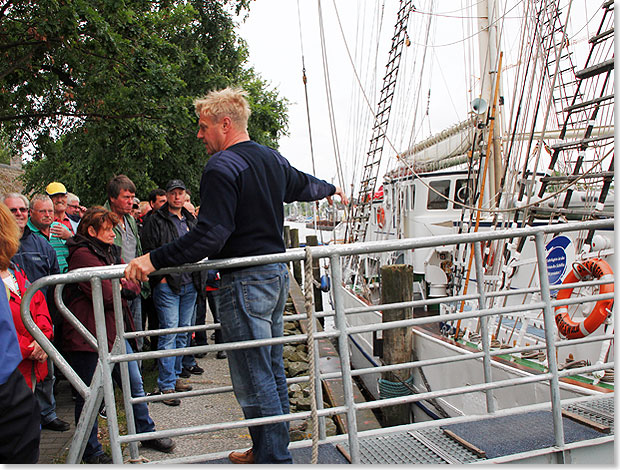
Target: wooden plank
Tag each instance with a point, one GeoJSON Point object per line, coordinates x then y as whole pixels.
{"type": "Point", "coordinates": [464, 443]}
{"type": "Point", "coordinates": [344, 452]}
{"type": "Point", "coordinates": [586, 422]}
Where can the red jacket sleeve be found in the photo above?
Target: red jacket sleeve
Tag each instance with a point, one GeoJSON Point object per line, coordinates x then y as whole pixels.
{"type": "Point", "coordinates": [40, 314]}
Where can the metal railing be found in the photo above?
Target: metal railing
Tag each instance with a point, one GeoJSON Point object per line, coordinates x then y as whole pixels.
{"type": "Point", "coordinates": [101, 386]}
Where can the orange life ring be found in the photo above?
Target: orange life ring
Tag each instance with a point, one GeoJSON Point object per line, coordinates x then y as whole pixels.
{"type": "Point", "coordinates": [381, 217]}
{"type": "Point", "coordinates": [570, 329]}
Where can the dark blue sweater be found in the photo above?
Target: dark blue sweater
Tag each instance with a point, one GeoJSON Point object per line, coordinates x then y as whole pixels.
{"type": "Point", "coordinates": [242, 191]}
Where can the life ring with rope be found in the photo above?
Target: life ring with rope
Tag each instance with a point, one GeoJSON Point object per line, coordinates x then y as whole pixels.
{"type": "Point", "coordinates": [598, 269]}
{"type": "Point", "coordinates": [381, 217]}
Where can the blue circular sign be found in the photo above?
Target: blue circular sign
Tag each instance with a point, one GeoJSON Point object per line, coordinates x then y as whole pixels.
{"type": "Point", "coordinates": [556, 258]}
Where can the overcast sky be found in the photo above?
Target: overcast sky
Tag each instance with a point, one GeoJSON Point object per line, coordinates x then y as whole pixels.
{"type": "Point", "coordinates": [273, 32]}
{"type": "Point", "coordinates": [273, 35]}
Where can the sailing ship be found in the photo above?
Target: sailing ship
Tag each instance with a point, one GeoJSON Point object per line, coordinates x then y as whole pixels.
{"type": "Point", "coordinates": [536, 147]}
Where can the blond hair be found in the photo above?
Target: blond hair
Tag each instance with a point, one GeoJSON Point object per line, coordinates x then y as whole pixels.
{"type": "Point", "coordinates": [229, 102]}
{"type": "Point", "coordinates": [9, 237]}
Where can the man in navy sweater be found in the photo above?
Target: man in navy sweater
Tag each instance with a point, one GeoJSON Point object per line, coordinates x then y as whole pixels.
{"type": "Point", "coordinates": [242, 190]}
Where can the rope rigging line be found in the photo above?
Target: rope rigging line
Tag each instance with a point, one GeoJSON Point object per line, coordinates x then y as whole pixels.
{"type": "Point", "coordinates": [328, 91]}
{"type": "Point", "coordinates": [305, 82]}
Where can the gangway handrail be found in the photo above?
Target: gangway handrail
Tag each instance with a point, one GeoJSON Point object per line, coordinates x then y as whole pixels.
{"type": "Point", "coordinates": [100, 387]}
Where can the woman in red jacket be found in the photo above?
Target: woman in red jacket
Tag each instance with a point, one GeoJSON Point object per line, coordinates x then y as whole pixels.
{"type": "Point", "coordinates": [20, 420]}
{"type": "Point", "coordinates": [34, 363]}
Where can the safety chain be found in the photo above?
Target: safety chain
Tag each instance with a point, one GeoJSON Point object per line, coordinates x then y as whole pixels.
{"type": "Point", "coordinates": [308, 304]}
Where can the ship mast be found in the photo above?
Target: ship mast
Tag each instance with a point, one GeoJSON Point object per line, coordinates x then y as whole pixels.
{"type": "Point", "coordinates": [489, 60]}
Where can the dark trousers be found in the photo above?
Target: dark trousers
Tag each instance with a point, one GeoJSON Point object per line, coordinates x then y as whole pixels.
{"type": "Point", "coordinates": [20, 422]}
{"type": "Point", "coordinates": [216, 317]}
{"type": "Point", "coordinates": [149, 314]}
{"type": "Point", "coordinates": [201, 317]}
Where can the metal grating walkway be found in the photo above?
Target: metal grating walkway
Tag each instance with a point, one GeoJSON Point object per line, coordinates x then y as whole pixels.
{"type": "Point", "coordinates": [600, 410]}
{"type": "Point", "coordinates": [432, 446]}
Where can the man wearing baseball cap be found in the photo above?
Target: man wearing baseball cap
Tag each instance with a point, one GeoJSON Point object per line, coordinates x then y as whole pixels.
{"type": "Point", "coordinates": [174, 295]}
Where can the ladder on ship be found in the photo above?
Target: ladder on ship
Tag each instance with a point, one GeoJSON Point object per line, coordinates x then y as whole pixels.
{"type": "Point", "coordinates": [591, 104]}
{"type": "Point", "coordinates": [584, 102]}
{"type": "Point", "coordinates": [362, 210]}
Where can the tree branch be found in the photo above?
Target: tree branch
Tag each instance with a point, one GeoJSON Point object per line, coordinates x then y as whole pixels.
{"type": "Point", "coordinates": [16, 65]}
{"type": "Point", "coordinates": [19, 117]}
{"type": "Point", "coordinates": [61, 74]}
{"type": "Point", "coordinates": [4, 8]}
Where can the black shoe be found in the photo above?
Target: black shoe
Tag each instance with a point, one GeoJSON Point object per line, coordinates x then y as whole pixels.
{"type": "Point", "coordinates": [185, 373]}
{"type": "Point", "coordinates": [163, 444]}
{"type": "Point", "coordinates": [200, 355]}
{"type": "Point", "coordinates": [56, 425]}
{"type": "Point", "coordinates": [98, 459]}
{"type": "Point", "coordinates": [102, 413]}
{"type": "Point", "coordinates": [221, 355]}
{"type": "Point", "coordinates": [195, 369]}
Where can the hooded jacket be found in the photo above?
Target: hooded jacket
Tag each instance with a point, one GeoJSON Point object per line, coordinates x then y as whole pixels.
{"type": "Point", "coordinates": [86, 251]}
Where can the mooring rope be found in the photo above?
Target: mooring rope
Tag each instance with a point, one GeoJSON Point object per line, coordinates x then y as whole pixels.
{"type": "Point", "coordinates": [308, 304]}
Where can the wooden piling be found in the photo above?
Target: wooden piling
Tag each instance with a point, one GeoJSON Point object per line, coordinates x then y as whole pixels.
{"type": "Point", "coordinates": [397, 286]}
{"type": "Point", "coordinates": [312, 240]}
{"type": "Point", "coordinates": [296, 264]}
{"type": "Point", "coordinates": [287, 236]}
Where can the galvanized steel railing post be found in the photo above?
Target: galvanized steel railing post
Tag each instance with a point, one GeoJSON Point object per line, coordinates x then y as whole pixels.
{"type": "Point", "coordinates": [106, 370]}
{"type": "Point", "coordinates": [343, 351]}
{"type": "Point", "coordinates": [543, 276]}
{"type": "Point", "coordinates": [484, 326]}
{"type": "Point", "coordinates": [124, 366]}
{"type": "Point", "coordinates": [92, 402]}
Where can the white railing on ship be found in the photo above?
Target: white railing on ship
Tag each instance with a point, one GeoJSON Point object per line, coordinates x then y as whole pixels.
{"type": "Point", "coordinates": [102, 386]}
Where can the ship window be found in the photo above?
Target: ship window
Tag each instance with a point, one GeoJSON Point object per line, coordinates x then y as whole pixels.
{"type": "Point", "coordinates": [461, 192]}
{"type": "Point", "coordinates": [435, 201]}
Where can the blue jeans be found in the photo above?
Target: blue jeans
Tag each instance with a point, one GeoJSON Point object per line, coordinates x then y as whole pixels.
{"type": "Point", "coordinates": [84, 364]}
{"type": "Point", "coordinates": [135, 306]}
{"type": "Point", "coordinates": [44, 391]}
{"type": "Point", "coordinates": [173, 310]}
{"type": "Point", "coordinates": [250, 303]}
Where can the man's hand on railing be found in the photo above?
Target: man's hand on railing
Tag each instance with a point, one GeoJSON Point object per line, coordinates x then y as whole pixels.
{"type": "Point", "coordinates": [139, 268]}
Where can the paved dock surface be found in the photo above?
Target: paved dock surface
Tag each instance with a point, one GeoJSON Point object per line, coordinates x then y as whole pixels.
{"type": "Point", "coordinates": [207, 409]}
{"type": "Point", "coordinates": [191, 412]}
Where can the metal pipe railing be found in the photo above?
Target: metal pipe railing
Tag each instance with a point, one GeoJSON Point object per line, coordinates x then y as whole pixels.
{"type": "Point", "coordinates": [101, 385]}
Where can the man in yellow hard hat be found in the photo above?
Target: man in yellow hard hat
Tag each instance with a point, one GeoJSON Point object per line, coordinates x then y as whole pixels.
{"type": "Point", "coordinates": [58, 193]}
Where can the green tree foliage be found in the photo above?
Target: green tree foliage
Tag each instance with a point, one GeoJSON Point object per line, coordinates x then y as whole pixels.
{"type": "Point", "coordinates": [94, 88]}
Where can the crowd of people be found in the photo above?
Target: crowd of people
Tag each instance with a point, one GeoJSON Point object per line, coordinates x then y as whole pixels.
{"type": "Point", "coordinates": [52, 233]}
{"type": "Point", "coordinates": [244, 186]}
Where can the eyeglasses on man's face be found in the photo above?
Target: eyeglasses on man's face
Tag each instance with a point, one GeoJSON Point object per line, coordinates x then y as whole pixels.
{"type": "Point", "coordinates": [15, 210]}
